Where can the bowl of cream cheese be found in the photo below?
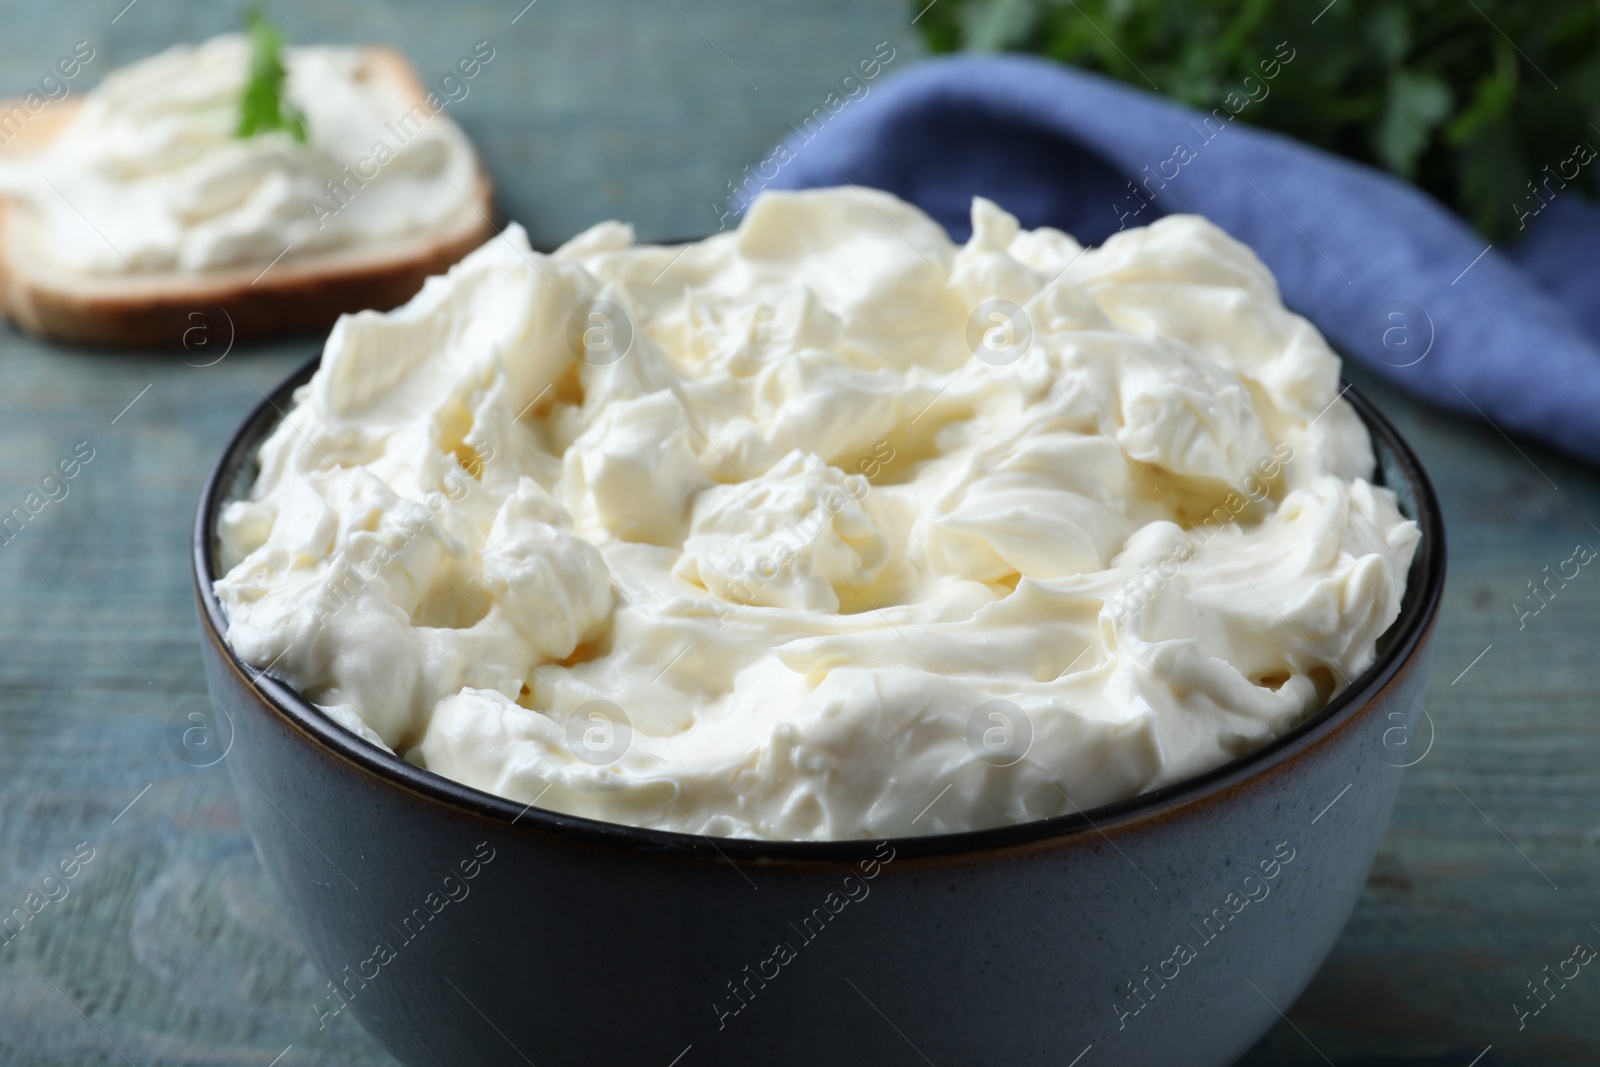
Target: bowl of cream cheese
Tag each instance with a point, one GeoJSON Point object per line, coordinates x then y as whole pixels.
{"type": "Point", "coordinates": [821, 641]}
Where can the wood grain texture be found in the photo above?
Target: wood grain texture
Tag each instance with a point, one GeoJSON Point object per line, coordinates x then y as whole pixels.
{"type": "Point", "coordinates": [174, 949]}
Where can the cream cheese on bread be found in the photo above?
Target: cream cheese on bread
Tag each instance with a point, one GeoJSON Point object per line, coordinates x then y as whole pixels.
{"type": "Point", "coordinates": [149, 176]}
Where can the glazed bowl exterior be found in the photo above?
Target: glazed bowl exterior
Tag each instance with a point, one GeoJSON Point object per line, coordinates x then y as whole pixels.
{"type": "Point", "coordinates": [1172, 928]}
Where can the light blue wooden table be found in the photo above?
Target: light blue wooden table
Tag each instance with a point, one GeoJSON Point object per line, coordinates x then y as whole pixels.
{"type": "Point", "coordinates": [170, 948]}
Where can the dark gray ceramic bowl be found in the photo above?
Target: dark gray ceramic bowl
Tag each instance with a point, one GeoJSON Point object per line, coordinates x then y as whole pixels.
{"type": "Point", "coordinates": [1172, 928]}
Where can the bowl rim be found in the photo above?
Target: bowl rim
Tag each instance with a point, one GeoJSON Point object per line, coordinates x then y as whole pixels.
{"type": "Point", "coordinates": [1419, 608]}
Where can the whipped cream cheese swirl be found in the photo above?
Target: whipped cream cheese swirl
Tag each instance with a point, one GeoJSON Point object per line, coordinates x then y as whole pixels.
{"type": "Point", "coordinates": [149, 176]}
{"type": "Point", "coordinates": [787, 509]}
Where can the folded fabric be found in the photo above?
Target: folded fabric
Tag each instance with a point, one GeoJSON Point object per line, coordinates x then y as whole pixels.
{"type": "Point", "coordinates": [1393, 279]}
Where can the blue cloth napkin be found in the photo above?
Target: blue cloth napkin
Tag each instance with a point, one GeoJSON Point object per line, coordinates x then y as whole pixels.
{"type": "Point", "coordinates": [1393, 279]}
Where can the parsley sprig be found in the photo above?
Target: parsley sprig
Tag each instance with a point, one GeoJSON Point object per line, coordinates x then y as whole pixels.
{"type": "Point", "coordinates": [262, 108]}
{"type": "Point", "coordinates": [1459, 98]}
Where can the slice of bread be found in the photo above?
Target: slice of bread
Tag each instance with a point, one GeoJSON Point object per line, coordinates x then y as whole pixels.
{"type": "Point", "coordinates": [301, 295]}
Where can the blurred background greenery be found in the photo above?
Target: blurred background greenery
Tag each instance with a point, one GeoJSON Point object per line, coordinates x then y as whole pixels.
{"type": "Point", "coordinates": [1476, 101]}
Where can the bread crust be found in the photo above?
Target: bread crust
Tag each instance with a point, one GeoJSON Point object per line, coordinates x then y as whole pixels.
{"type": "Point", "coordinates": [237, 303]}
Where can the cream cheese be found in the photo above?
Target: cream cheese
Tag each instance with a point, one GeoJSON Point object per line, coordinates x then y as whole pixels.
{"type": "Point", "coordinates": [149, 176]}
{"type": "Point", "coordinates": [786, 535]}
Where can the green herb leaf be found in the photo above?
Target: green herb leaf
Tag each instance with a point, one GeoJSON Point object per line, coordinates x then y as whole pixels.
{"type": "Point", "coordinates": [262, 108]}
{"type": "Point", "coordinates": [1432, 90]}
{"type": "Point", "coordinates": [1417, 105]}
{"type": "Point", "coordinates": [992, 25]}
